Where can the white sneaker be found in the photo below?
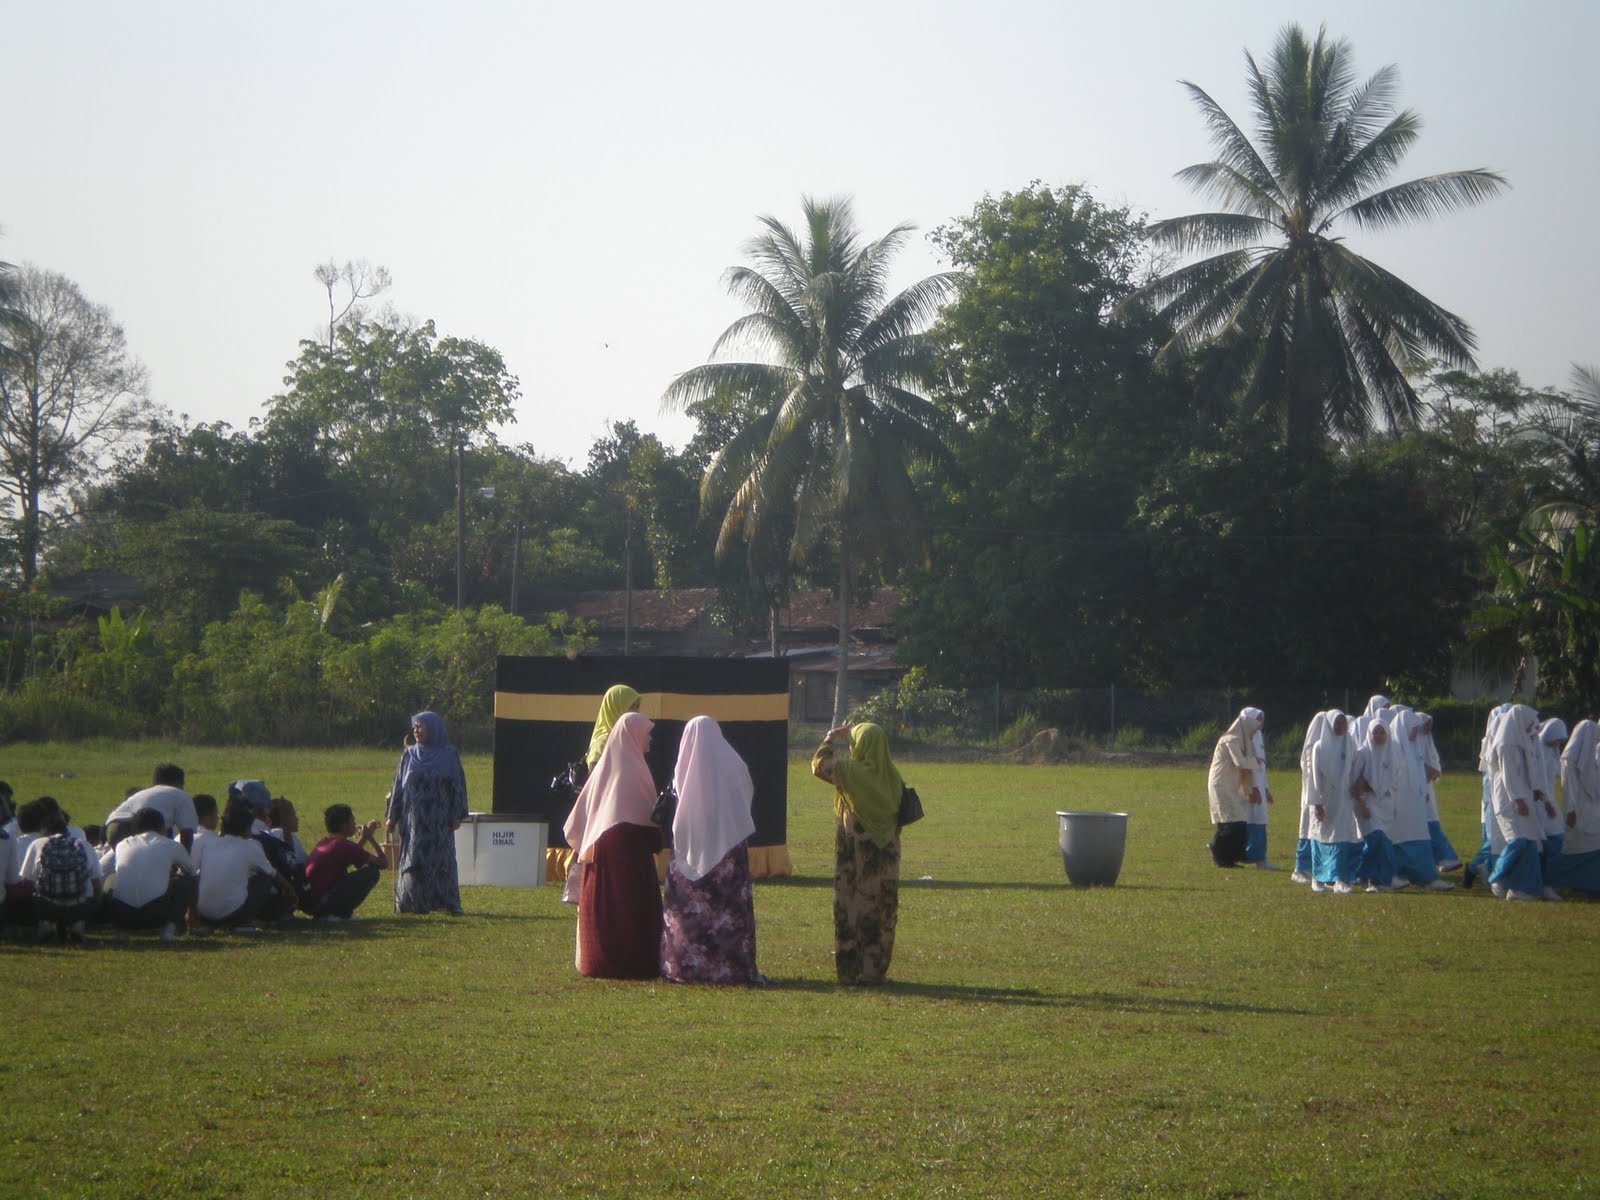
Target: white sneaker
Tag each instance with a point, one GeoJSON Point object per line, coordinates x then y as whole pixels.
{"type": "Point", "coordinates": [1372, 887]}
{"type": "Point", "coordinates": [1343, 889]}
{"type": "Point", "coordinates": [1551, 894]}
{"type": "Point", "coordinates": [169, 933]}
{"type": "Point", "coordinates": [1318, 887]}
{"type": "Point", "coordinates": [1396, 884]}
{"type": "Point", "coordinates": [1450, 865]}
{"type": "Point", "coordinates": [1441, 885]}
{"type": "Point", "coordinates": [1499, 889]}
{"type": "Point", "coordinates": [1299, 877]}
{"type": "Point", "coordinates": [1264, 865]}
{"type": "Point", "coordinates": [1515, 895]}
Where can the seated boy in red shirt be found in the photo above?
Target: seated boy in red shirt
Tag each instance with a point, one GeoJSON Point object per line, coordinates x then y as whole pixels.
{"type": "Point", "coordinates": [340, 871]}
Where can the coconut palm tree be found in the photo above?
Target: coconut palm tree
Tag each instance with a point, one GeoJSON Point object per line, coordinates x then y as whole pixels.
{"type": "Point", "coordinates": [838, 424]}
{"type": "Point", "coordinates": [1311, 333]}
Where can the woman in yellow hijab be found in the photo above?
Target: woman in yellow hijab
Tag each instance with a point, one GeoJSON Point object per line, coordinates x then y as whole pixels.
{"type": "Point", "coordinates": [866, 875]}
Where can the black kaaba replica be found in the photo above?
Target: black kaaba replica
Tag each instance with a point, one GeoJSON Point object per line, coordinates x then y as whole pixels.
{"type": "Point", "coordinates": [544, 712]}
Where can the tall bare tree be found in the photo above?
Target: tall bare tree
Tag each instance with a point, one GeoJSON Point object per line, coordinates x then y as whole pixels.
{"type": "Point", "coordinates": [70, 392]}
{"type": "Point", "coordinates": [352, 283]}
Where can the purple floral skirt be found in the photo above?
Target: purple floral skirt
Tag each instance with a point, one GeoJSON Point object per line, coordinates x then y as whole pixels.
{"type": "Point", "coordinates": [710, 927]}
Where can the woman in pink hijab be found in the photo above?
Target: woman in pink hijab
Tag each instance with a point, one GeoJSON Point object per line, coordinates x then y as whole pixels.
{"type": "Point", "coordinates": [610, 832]}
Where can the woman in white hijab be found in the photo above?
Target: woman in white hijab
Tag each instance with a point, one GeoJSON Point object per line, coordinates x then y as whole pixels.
{"type": "Point", "coordinates": [1231, 788]}
{"type": "Point", "coordinates": [1413, 847]}
{"type": "Point", "coordinates": [1359, 727]}
{"type": "Point", "coordinates": [1552, 737]}
{"type": "Point", "coordinates": [1302, 846]}
{"type": "Point", "coordinates": [1379, 778]}
{"type": "Point", "coordinates": [1255, 845]}
{"type": "Point", "coordinates": [710, 932]}
{"type": "Point", "coordinates": [1335, 839]}
{"type": "Point", "coordinates": [1445, 857]}
{"type": "Point", "coordinates": [1482, 862]}
{"type": "Point", "coordinates": [1578, 867]}
{"type": "Point", "coordinates": [1515, 774]}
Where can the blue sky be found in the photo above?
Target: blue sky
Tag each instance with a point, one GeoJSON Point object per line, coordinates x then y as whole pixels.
{"type": "Point", "coordinates": [567, 182]}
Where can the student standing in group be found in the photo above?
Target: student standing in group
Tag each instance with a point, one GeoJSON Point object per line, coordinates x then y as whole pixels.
{"type": "Point", "coordinates": [1515, 775]}
{"type": "Point", "coordinates": [1379, 776]}
{"type": "Point", "coordinates": [1445, 857]}
{"type": "Point", "coordinates": [709, 907]}
{"type": "Point", "coordinates": [1413, 847]}
{"type": "Point", "coordinates": [1255, 849]}
{"type": "Point", "coordinates": [1304, 865]}
{"type": "Point", "coordinates": [1578, 866]}
{"type": "Point", "coordinates": [866, 874]}
{"type": "Point", "coordinates": [1335, 838]}
{"type": "Point", "coordinates": [426, 806]}
{"type": "Point", "coordinates": [1552, 737]}
{"type": "Point", "coordinates": [611, 833]}
{"type": "Point", "coordinates": [1231, 788]}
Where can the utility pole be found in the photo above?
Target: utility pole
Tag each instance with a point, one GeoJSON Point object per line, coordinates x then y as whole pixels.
{"type": "Point", "coordinates": [461, 524]}
{"type": "Point", "coordinates": [627, 586]}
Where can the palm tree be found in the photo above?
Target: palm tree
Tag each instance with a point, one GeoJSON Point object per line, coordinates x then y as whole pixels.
{"type": "Point", "coordinates": [1310, 333]}
{"type": "Point", "coordinates": [837, 424]}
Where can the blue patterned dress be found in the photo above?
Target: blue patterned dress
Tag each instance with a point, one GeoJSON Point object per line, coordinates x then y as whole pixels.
{"type": "Point", "coordinates": [429, 797]}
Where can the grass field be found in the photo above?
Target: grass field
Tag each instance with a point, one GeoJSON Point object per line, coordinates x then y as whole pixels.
{"type": "Point", "coordinates": [1188, 1033]}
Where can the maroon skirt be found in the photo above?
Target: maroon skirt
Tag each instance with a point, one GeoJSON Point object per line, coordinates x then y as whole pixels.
{"type": "Point", "coordinates": [619, 906]}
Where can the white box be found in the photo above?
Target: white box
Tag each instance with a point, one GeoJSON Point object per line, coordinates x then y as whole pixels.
{"type": "Point", "coordinates": [501, 850]}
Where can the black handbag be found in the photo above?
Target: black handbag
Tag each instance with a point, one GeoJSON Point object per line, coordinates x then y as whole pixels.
{"type": "Point", "coordinates": [566, 786]}
{"type": "Point", "coordinates": [665, 810]}
{"type": "Point", "coordinates": [910, 806]}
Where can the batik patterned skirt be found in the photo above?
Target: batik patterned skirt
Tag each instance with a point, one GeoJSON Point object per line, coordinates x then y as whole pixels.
{"type": "Point", "coordinates": [866, 901]}
{"type": "Point", "coordinates": [710, 934]}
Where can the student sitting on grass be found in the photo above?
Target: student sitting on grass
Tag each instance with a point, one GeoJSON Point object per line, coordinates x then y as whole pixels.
{"type": "Point", "coordinates": [343, 867]}
{"type": "Point", "coordinates": [285, 824]}
{"type": "Point", "coordinates": [58, 865]}
{"type": "Point", "coordinates": [238, 887]}
{"type": "Point", "coordinates": [205, 812]}
{"type": "Point", "coordinates": [19, 891]}
{"type": "Point", "coordinates": [154, 879]}
{"type": "Point", "coordinates": [166, 794]}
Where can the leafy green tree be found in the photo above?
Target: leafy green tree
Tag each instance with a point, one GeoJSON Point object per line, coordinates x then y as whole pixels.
{"type": "Point", "coordinates": [840, 425]}
{"type": "Point", "coordinates": [1033, 580]}
{"type": "Point", "coordinates": [70, 393]}
{"type": "Point", "coordinates": [1310, 333]}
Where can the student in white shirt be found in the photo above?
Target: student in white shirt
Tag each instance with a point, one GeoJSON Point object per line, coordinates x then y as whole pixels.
{"type": "Point", "coordinates": [58, 866]}
{"type": "Point", "coordinates": [205, 812]}
{"type": "Point", "coordinates": [238, 886]}
{"type": "Point", "coordinates": [165, 794]}
{"type": "Point", "coordinates": [154, 880]}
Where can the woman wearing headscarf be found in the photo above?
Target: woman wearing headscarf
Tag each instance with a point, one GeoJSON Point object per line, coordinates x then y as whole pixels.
{"type": "Point", "coordinates": [426, 806]}
{"type": "Point", "coordinates": [611, 834]}
{"type": "Point", "coordinates": [1578, 867]}
{"type": "Point", "coordinates": [1552, 737]}
{"type": "Point", "coordinates": [1335, 839]}
{"type": "Point", "coordinates": [1482, 863]}
{"type": "Point", "coordinates": [1378, 780]}
{"type": "Point", "coordinates": [1231, 788]}
{"type": "Point", "coordinates": [1359, 726]}
{"type": "Point", "coordinates": [1255, 846]}
{"type": "Point", "coordinates": [619, 698]}
{"type": "Point", "coordinates": [866, 872]}
{"type": "Point", "coordinates": [1413, 847]}
{"type": "Point", "coordinates": [1445, 857]}
{"type": "Point", "coordinates": [1302, 847]}
{"type": "Point", "coordinates": [1515, 774]}
{"type": "Point", "coordinates": [709, 908]}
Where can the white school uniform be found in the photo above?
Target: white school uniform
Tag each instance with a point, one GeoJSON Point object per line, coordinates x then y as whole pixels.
{"type": "Point", "coordinates": [144, 867]}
